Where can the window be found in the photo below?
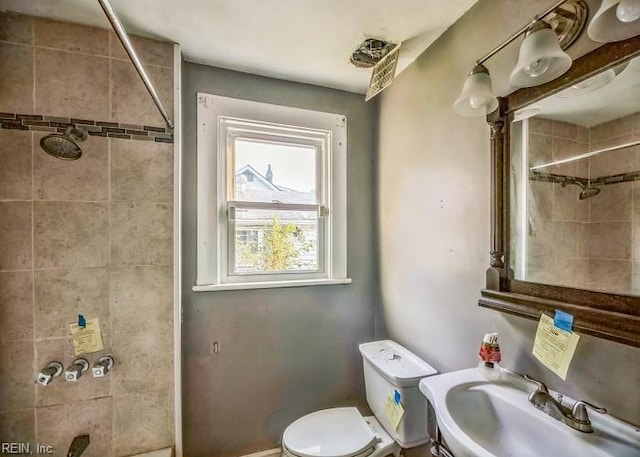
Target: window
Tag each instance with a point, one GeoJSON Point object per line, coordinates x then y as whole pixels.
{"type": "Point", "coordinates": [271, 195]}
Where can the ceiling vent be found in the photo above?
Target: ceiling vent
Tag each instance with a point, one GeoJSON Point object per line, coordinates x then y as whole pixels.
{"type": "Point", "coordinates": [370, 51]}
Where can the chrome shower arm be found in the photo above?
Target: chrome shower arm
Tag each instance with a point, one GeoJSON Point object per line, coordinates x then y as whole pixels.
{"type": "Point", "coordinates": [137, 63]}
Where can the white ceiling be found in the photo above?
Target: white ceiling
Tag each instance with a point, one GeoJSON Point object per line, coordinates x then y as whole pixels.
{"type": "Point", "coordinates": [298, 40]}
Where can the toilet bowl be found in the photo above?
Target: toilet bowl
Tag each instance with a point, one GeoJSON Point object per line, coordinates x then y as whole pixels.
{"type": "Point", "coordinates": [391, 375]}
{"type": "Point", "coordinates": [337, 432]}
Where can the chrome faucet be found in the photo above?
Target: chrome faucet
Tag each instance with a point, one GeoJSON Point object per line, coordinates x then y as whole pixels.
{"type": "Point", "coordinates": [576, 417]}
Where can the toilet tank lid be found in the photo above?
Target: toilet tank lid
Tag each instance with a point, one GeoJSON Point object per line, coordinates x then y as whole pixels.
{"type": "Point", "coordinates": [396, 363]}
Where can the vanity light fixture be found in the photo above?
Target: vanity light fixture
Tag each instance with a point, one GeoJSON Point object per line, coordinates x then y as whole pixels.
{"type": "Point", "coordinates": [615, 20]}
{"type": "Point", "coordinates": [541, 58]}
{"type": "Point", "coordinates": [477, 98]}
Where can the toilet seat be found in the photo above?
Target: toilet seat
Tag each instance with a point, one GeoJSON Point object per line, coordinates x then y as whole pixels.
{"type": "Point", "coordinates": [335, 432]}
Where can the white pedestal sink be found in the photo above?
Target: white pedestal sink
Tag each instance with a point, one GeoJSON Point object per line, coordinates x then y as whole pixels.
{"type": "Point", "coordinates": [481, 418]}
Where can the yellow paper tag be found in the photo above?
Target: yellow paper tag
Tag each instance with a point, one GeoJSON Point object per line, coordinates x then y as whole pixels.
{"type": "Point", "coordinates": [394, 411]}
{"type": "Point", "coordinates": [88, 339]}
{"type": "Point", "coordinates": [554, 347]}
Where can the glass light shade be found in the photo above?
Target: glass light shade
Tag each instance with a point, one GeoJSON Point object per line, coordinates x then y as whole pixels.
{"type": "Point", "coordinates": [628, 10]}
{"type": "Point", "coordinates": [540, 59]}
{"type": "Point", "coordinates": [605, 25]}
{"type": "Point", "coordinates": [590, 85]}
{"type": "Point", "coordinates": [477, 98]}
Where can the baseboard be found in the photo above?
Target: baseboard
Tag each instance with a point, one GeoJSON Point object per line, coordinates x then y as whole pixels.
{"type": "Point", "coordinates": [268, 453]}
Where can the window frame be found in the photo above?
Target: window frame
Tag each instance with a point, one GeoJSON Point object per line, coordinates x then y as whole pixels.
{"type": "Point", "coordinates": [218, 117]}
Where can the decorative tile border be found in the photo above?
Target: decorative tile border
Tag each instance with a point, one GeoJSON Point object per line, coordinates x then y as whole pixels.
{"type": "Point", "coordinates": [40, 123]}
{"type": "Point", "coordinates": [601, 181]}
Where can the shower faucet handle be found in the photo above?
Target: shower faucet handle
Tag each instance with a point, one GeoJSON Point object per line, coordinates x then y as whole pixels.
{"type": "Point", "coordinates": [102, 366]}
{"type": "Point", "coordinates": [48, 373]}
{"type": "Point", "coordinates": [76, 370]}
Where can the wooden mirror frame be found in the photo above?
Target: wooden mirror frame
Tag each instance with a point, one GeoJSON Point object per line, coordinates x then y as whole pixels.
{"type": "Point", "coordinates": [611, 316]}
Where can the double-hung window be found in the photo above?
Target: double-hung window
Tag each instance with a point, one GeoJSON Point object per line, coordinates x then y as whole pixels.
{"type": "Point", "coordinates": [271, 195]}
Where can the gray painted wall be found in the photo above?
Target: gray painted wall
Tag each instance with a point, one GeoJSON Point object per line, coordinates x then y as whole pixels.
{"type": "Point", "coordinates": [284, 352]}
{"type": "Point", "coordinates": [433, 218]}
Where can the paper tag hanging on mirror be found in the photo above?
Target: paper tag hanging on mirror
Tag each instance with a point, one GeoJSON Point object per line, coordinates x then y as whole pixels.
{"type": "Point", "coordinates": [86, 339]}
{"type": "Point", "coordinates": [554, 347]}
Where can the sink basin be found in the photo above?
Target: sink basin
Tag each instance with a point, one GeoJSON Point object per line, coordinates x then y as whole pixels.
{"type": "Point", "coordinates": [481, 418]}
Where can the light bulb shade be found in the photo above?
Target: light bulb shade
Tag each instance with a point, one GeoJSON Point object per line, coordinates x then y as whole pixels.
{"type": "Point", "coordinates": [605, 25]}
{"type": "Point", "coordinates": [540, 59]}
{"type": "Point", "coordinates": [477, 98]}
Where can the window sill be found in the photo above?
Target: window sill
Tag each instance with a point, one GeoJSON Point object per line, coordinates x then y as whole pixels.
{"type": "Point", "coordinates": [271, 284]}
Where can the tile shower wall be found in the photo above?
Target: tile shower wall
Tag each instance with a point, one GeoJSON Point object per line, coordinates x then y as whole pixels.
{"type": "Point", "coordinates": [578, 235]}
{"type": "Point", "coordinates": [92, 236]}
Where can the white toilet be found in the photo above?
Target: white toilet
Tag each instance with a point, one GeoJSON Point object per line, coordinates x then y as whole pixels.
{"type": "Point", "coordinates": [391, 376]}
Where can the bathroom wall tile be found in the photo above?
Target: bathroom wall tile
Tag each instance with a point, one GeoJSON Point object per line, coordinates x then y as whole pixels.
{"type": "Point", "coordinates": [614, 128]}
{"type": "Point", "coordinates": [84, 179]}
{"type": "Point", "coordinates": [71, 37]}
{"type": "Point", "coordinates": [141, 234]}
{"type": "Point", "coordinates": [130, 100]}
{"type": "Point", "coordinates": [614, 162]}
{"type": "Point", "coordinates": [582, 240]}
{"type": "Point", "coordinates": [613, 203]}
{"type": "Point", "coordinates": [565, 130]}
{"type": "Point", "coordinates": [565, 202]}
{"type": "Point", "coordinates": [15, 235]}
{"type": "Point", "coordinates": [16, 80]}
{"type": "Point", "coordinates": [565, 239]}
{"type": "Point", "coordinates": [635, 278]}
{"type": "Point", "coordinates": [540, 126]}
{"type": "Point", "coordinates": [142, 322]}
{"type": "Point", "coordinates": [563, 148]}
{"type": "Point", "coordinates": [16, 28]}
{"type": "Point", "coordinates": [602, 237]}
{"type": "Point", "coordinates": [15, 165]}
{"type": "Point", "coordinates": [565, 271]}
{"type": "Point", "coordinates": [71, 234]}
{"type": "Point", "coordinates": [18, 427]}
{"type": "Point", "coordinates": [151, 52]}
{"type": "Point", "coordinates": [540, 150]}
{"type": "Point", "coordinates": [583, 134]}
{"type": "Point", "coordinates": [141, 422]}
{"type": "Point", "coordinates": [16, 375]}
{"type": "Point", "coordinates": [610, 276]}
{"type": "Point", "coordinates": [72, 85]}
{"type": "Point", "coordinates": [58, 425]}
{"type": "Point", "coordinates": [60, 295]}
{"type": "Point", "coordinates": [540, 200]}
{"type": "Point", "coordinates": [141, 171]}
{"type": "Point", "coordinates": [60, 391]}
{"type": "Point", "coordinates": [635, 121]}
{"type": "Point", "coordinates": [582, 276]}
{"type": "Point", "coordinates": [16, 306]}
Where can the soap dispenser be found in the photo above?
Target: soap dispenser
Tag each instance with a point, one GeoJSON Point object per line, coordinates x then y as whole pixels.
{"type": "Point", "coordinates": [490, 357]}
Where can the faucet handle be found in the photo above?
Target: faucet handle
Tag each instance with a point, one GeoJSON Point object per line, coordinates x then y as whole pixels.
{"type": "Point", "coordinates": [540, 384]}
{"type": "Point", "coordinates": [579, 410]}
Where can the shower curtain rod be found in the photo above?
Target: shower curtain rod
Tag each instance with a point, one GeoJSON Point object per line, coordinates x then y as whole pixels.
{"type": "Point", "coordinates": [126, 42]}
{"type": "Point", "coordinates": [588, 154]}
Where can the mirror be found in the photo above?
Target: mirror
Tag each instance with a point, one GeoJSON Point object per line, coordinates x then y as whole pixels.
{"type": "Point", "coordinates": [575, 202]}
{"type": "Point", "coordinates": [566, 204]}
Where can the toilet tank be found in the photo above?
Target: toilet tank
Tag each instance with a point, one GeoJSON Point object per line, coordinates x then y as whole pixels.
{"type": "Point", "coordinates": [391, 371]}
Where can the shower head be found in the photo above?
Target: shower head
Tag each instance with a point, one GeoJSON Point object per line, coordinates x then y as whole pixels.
{"type": "Point", "coordinates": [64, 145]}
{"type": "Point", "coordinates": [588, 192]}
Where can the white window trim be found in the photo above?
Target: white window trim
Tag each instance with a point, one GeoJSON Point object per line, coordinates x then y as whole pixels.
{"type": "Point", "coordinates": [211, 186]}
